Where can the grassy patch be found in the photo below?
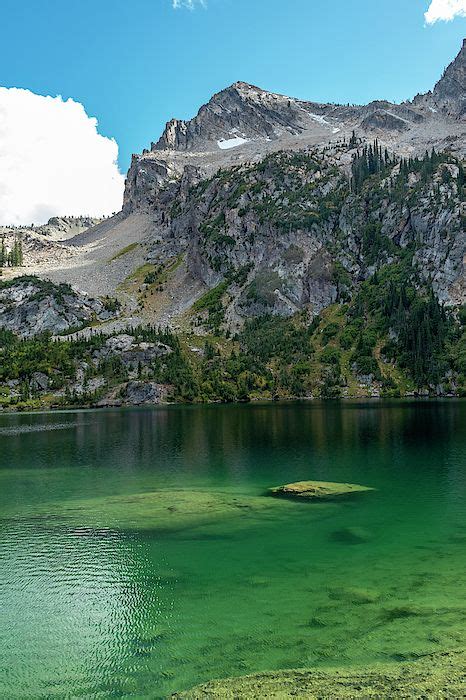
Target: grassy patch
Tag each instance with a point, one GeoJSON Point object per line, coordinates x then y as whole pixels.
{"type": "Point", "coordinates": [211, 302]}
{"type": "Point", "coordinates": [160, 274]}
{"type": "Point", "coordinates": [124, 251]}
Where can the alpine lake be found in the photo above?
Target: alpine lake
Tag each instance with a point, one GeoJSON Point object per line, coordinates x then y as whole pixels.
{"type": "Point", "coordinates": [141, 553]}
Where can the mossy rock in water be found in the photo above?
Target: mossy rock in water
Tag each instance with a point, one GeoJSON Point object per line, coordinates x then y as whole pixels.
{"type": "Point", "coordinates": [439, 675]}
{"type": "Point", "coordinates": [167, 510]}
{"type": "Point", "coordinates": [317, 490]}
{"type": "Point", "coordinates": [355, 595]}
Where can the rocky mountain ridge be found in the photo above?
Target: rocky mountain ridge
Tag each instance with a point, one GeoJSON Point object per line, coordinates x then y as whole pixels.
{"type": "Point", "coordinates": [47, 244]}
{"type": "Point", "coordinates": [449, 93]}
{"type": "Point", "coordinates": [57, 228]}
{"type": "Point", "coordinates": [244, 111]}
{"type": "Point", "coordinates": [254, 198]}
{"type": "Point", "coordinates": [244, 122]}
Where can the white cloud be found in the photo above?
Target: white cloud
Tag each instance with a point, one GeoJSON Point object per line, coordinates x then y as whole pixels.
{"type": "Point", "coordinates": [188, 4]}
{"type": "Point", "coordinates": [445, 10]}
{"type": "Point", "coordinates": [53, 161]}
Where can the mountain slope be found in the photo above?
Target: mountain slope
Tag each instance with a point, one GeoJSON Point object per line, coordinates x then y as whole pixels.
{"type": "Point", "coordinates": [265, 212]}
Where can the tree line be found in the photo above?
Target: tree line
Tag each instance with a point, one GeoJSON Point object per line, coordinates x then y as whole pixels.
{"type": "Point", "coordinates": [12, 257]}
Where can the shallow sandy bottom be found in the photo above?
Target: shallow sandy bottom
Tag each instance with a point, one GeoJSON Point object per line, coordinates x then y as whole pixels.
{"type": "Point", "coordinates": [440, 675]}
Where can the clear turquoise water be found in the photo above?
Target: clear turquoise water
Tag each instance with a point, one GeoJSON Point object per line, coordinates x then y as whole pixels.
{"type": "Point", "coordinates": [107, 611]}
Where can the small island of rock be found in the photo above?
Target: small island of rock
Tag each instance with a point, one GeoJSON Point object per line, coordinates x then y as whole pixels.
{"type": "Point", "coordinates": [317, 490]}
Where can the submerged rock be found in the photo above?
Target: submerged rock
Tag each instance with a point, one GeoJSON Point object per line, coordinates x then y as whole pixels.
{"type": "Point", "coordinates": [167, 510]}
{"type": "Point", "coordinates": [351, 535]}
{"type": "Point", "coordinates": [439, 675]}
{"type": "Point", "coordinates": [315, 490]}
{"type": "Point", "coordinates": [401, 612]}
{"type": "Point", "coordinates": [355, 595]}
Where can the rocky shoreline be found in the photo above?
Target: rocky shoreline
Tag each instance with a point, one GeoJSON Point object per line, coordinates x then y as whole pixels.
{"type": "Point", "coordinates": [158, 392]}
{"type": "Point", "coordinates": [439, 675]}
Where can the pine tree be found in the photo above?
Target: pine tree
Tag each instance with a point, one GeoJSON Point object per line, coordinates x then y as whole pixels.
{"type": "Point", "coordinates": [20, 253]}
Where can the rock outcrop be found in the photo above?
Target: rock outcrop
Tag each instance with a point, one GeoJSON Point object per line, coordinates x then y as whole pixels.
{"type": "Point", "coordinates": [29, 306]}
{"type": "Point", "coordinates": [318, 490]}
{"type": "Point", "coordinates": [449, 94]}
{"type": "Point", "coordinates": [134, 393]}
{"type": "Point", "coordinates": [131, 353]}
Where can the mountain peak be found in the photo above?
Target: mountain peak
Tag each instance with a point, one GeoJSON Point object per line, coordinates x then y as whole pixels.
{"type": "Point", "coordinates": [239, 112]}
{"type": "Point", "coordinates": [449, 94]}
{"type": "Point", "coordinates": [243, 112]}
{"type": "Point", "coordinates": [240, 85]}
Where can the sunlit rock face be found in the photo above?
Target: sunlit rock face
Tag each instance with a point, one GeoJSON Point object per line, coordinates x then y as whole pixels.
{"type": "Point", "coordinates": [221, 185]}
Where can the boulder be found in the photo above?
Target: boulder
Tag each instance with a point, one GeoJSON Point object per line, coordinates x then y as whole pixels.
{"type": "Point", "coordinates": [317, 490]}
{"type": "Point", "coordinates": [120, 343]}
{"type": "Point", "coordinates": [137, 393]}
{"type": "Point", "coordinates": [39, 381]}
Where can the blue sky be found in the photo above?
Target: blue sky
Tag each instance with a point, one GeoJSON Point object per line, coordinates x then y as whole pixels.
{"type": "Point", "coordinates": [136, 64]}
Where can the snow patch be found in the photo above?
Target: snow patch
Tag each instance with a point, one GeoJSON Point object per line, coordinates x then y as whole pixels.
{"type": "Point", "coordinates": [319, 118]}
{"type": "Point", "coordinates": [231, 143]}
{"type": "Point", "coordinates": [335, 130]}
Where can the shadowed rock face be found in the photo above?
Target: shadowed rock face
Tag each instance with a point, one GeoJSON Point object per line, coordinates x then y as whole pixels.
{"type": "Point", "coordinates": [276, 231]}
{"type": "Point", "coordinates": [384, 121]}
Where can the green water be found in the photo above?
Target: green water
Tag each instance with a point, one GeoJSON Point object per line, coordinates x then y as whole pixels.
{"type": "Point", "coordinates": [96, 610]}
